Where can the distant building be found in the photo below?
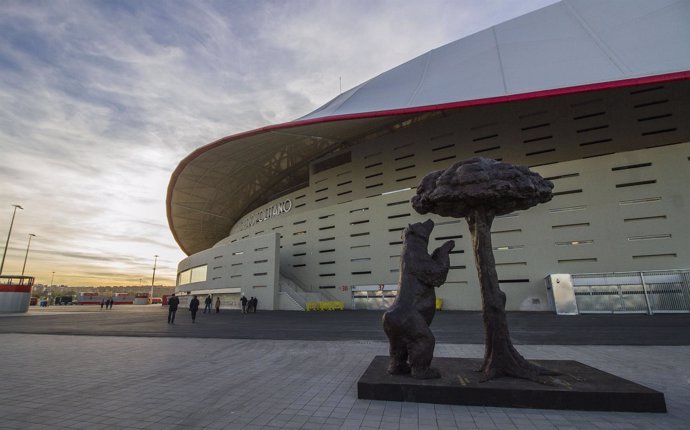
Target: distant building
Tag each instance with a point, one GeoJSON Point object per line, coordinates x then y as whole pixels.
{"type": "Point", "coordinates": [594, 96]}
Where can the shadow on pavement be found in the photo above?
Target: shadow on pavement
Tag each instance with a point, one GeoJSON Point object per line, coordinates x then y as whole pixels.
{"type": "Point", "coordinates": [527, 328]}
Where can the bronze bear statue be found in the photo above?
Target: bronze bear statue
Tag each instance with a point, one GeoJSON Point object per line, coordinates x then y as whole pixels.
{"type": "Point", "coordinates": [407, 321]}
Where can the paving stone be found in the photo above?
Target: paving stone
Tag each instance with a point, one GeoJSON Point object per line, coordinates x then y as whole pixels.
{"type": "Point", "coordinates": [194, 383]}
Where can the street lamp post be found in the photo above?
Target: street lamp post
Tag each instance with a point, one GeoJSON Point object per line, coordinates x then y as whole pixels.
{"type": "Point", "coordinates": [2, 263]}
{"type": "Point", "coordinates": [50, 292]}
{"type": "Point", "coordinates": [153, 279]}
{"type": "Point", "coordinates": [27, 252]}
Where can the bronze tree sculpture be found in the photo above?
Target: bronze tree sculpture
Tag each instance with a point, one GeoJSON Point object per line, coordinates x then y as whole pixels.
{"type": "Point", "coordinates": [479, 189]}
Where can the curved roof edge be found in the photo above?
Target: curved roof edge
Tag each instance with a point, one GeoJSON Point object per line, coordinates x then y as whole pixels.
{"type": "Point", "coordinates": [324, 121]}
{"type": "Point", "coordinates": [565, 44]}
{"type": "Point", "coordinates": [568, 47]}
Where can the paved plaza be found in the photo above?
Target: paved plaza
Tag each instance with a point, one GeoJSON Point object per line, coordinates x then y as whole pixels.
{"type": "Point", "coordinates": [110, 381]}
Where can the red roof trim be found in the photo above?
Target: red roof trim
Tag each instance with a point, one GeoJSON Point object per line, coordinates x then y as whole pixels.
{"type": "Point", "coordinates": [414, 110]}
{"type": "Point", "coordinates": [503, 99]}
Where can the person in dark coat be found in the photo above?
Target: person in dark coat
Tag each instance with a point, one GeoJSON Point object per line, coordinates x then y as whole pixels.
{"type": "Point", "coordinates": [194, 307]}
{"type": "Point", "coordinates": [207, 304]}
{"type": "Point", "coordinates": [217, 304]}
{"type": "Point", "coordinates": [255, 303]}
{"type": "Point", "coordinates": [173, 303]}
{"type": "Point", "coordinates": [243, 300]}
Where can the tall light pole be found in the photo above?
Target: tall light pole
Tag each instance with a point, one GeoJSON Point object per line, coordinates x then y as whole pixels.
{"type": "Point", "coordinates": [27, 252]}
{"type": "Point", "coordinates": [2, 264]}
{"type": "Point", "coordinates": [49, 295]}
{"type": "Point", "coordinates": [153, 279]}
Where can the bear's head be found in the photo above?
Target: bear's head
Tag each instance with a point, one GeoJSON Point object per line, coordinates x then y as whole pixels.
{"type": "Point", "coordinates": [420, 230]}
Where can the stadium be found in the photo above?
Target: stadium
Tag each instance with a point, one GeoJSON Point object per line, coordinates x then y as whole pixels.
{"type": "Point", "coordinates": [592, 95]}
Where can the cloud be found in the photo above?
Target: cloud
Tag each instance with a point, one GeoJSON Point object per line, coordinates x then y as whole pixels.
{"type": "Point", "coordinates": [99, 101]}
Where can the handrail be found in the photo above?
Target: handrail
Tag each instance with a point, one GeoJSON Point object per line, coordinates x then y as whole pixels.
{"type": "Point", "coordinates": [329, 297]}
{"type": "Point", "coordinates": [301, 297]}
{"type": "Point", "coordinates": [294, 294]}
{"type": "Point", "coordinates": [16, 280]}
{"type": "Point", "coordinates": [291, 298]}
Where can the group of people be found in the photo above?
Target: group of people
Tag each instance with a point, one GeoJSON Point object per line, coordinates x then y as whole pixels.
{"type": "Point", "coordinates": [207, 304]}
{"type": "Point", "coordinates": [174, 303]}
{"type": "Point", "coordinates": [108, 303]}
{"type": "Point", "coordinates": [249, 305]}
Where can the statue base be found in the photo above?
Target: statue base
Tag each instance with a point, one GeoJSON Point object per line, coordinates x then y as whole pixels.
{"type": "Point", "coordinates": [578, 387]}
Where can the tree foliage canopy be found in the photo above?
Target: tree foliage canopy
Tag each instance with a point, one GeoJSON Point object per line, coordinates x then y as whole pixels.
{"type": "Point", "coordinates": [480, 183]}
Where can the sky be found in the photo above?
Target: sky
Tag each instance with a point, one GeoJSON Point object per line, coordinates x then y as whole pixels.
{"type": "Point", "coordinates": [100, 100]}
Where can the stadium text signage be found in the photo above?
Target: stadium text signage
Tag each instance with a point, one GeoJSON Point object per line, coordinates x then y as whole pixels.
{"type": "Point", "coordinates": [266, 214]}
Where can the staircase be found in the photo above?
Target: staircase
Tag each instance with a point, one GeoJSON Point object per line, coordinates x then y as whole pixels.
{"type": "Point", "coordinates": [292, 297]}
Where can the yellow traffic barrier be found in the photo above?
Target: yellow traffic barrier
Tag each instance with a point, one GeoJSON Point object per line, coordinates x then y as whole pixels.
{"type": "Point", "coordinates": [325, 306]}
{"type": "Point", "coordinates": [332, 306]}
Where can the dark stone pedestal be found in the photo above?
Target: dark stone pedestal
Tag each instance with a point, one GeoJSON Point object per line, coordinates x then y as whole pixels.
{"type": "Point", "coordinates": [578, 387]}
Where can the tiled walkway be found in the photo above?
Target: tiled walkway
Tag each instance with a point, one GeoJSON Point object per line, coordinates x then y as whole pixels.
{"type": "Point", "coordinates": [89, 382]}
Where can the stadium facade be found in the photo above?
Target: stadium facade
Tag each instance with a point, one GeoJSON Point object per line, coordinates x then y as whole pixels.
{"type": "Point", "coordinates": [593, 95]}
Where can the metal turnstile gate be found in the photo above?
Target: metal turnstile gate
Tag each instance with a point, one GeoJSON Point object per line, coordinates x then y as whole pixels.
{"type": "Point", "coordinates": [648, 292]}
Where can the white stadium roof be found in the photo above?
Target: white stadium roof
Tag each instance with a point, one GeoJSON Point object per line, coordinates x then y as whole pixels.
{"type": "Point", "coordinates": [569, 47]}
{"type": "Point", "coordinates": [567, 44]}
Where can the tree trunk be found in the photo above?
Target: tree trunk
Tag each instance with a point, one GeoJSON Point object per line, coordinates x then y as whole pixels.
{"type": "Point", "coordinates": [500, 357]}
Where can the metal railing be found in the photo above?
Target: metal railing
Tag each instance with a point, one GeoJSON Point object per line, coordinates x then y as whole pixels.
{"type": "Point", "coordinates": [287, 302]}
{"type": "Point", "coordinates": [288, 287]}
{"type": "Point", "coordinates": [301, 297]}
{"type": "Point", "coordinates": [16, 280]}
{"type": "Point", "coordinates": [650, 292]}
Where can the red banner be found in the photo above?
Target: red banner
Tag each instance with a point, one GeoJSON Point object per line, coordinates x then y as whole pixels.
{"type": "Point", "coordinates": [15, 288]}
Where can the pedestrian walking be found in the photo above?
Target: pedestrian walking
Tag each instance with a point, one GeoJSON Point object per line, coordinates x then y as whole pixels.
{"type": "Point", "coordinates": [255, 304]}
{"type": "Point", "coordinates": [207, 304]}
{"type": "Point", "coordinates": [194, 307]}
{"type": "Point", "coordinates": [102, 303]}
{"type": "Point", "coordinates": [173, 303]}
{"type": "Point", "coordinates": [217, 304]}
{"type": "Point", "coordinates": [243, 300]}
